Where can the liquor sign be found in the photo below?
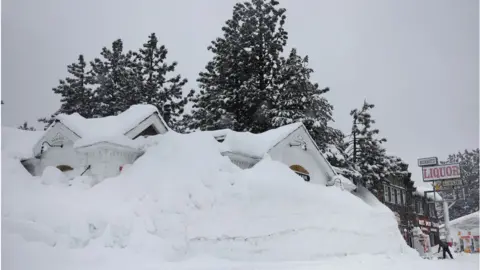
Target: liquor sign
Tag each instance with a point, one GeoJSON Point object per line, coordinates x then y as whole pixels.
{"type": "Point", "coordinates": [441, 172]}
{"type": "Point", "coordinates": [430, 161]}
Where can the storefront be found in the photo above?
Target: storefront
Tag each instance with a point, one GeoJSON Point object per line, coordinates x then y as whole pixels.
{"type": "Point", "coordinates": [468, 243]}
{"type": "Point", "coordinates": [429, 228]}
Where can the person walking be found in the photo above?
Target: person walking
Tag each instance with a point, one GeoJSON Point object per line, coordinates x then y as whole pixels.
{"type": "Point", "coordinates": [446, 249]}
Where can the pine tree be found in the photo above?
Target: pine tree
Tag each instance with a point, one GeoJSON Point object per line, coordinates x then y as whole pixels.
{"type": "Point", "coordinates": [118, 84]}
{"type": "Point", "coordinates": [154, 86]}
{"type": "Point", "coordinates": [366, 151]}
{"type": "Point", "coordinates": [300, 100]}
{"type": "Point", "coordinates": [238, 85]}
{"type": "Point", "coordinates": [469, 165]}
{"type": "Point", "coordinates": [75, 91]}
{"type": "Point", "coordinates": [25, 126]}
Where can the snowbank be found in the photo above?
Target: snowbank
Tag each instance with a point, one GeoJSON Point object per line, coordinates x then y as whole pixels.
{"type": "Point", "coordinates": [110, 126]}
{"type": "Point", "coordinates": [18, 143]}
{"type": "Point", "coordinates": [254, 145]}
{"type": "Point", "coordinates": [183, 199]}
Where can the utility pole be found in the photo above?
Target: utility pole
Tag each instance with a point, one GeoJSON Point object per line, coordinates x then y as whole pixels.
{"type": "Point", "coordinates": [446, 220]}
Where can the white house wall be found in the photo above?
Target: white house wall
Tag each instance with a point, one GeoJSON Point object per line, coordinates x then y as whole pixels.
{"type": "Point", "coordinates": [54, 156]}
{"type": "Point", "coordinates": [154, 120]}
{"type": "Point", "coordinates": [105, 159]}
{"type": "Point", "coordinates": [56, 135]}
{"type": "Point", "coordinates": [320, 171]}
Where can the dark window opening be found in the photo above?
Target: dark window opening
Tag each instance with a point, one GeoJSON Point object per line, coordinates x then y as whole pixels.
{"type": "Point", "coordinates": [149, 131]}
{"type": "Point", "coordinates": [64, 168]}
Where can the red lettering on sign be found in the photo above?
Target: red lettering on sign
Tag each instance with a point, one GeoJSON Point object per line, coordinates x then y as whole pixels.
{"type": "Point", "coordinates": [436, 173]}
{"type": "Point", "coordinates": [455, 171]}
{"type": "Point", "coordinates": [425, 175]}
{"type": "Point", "coordinates": [442, 172]}
{"type": "Point", "coordinates": [449, 171]}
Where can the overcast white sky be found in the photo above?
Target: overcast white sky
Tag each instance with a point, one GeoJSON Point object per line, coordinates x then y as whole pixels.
{"type": "Point", "coordinates": [417, 61]}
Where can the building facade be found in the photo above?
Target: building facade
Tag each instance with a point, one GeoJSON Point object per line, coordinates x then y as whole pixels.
{"type": "Point", "coordinates": [426, 217]}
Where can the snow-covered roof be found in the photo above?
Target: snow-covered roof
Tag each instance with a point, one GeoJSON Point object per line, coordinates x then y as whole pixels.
{"type": "Point", "coordinates": [421, 189]}
{"type": "Point", "coordinates": [110, 126]}
{"type": "Point", "coordinates": [467, 222]}
{"type": "Point", "coordinates": [254, 145]}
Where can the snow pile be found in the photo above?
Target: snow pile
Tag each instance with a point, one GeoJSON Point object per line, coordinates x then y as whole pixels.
{"type": "Point", "coordinates": [18, 143]}
{"type": "Point", "coordinates": [183, 199]}
{"type": "Point", "coordinates": [254, 145]}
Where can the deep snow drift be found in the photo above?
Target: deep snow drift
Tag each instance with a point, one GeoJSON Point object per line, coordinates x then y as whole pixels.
{"type": "Point", "coordinates": [182, 199]}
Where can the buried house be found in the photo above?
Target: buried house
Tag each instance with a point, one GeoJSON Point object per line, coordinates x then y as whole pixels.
{"type": "Point", "coordinates": [290, 144]}
{"type": "Point", "coordinates": [98, 147]}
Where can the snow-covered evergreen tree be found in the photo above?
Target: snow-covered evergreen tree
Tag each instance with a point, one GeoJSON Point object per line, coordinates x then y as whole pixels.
{"type": "Point", "coordinates": [298, 99]}
{"type": "Point", "coordinates": [238, 84]}
{"type": "Point", "coordinates": [154, 86]}
{"type": "Point", "coordinates": [25, 126]}
{"type": "Point", "coordinates": [75, 91]}
{"type": "Point", "coordinates": [117, 82]}
{"type": "Point", "coordinates": [469, 164]}
{"type": "Point", "coordinates": [366, 150]}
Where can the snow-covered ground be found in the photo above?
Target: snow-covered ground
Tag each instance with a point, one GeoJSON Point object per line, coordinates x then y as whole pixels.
{"type": "Point", "coordinates": [182, 205]}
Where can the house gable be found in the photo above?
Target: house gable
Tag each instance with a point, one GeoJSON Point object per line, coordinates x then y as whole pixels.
{"type": "Point", "coordinates": [152, 125]}
{"type": "Point", "coordinates": [291, 152]}
{"type": "Point", "coordinates": [58, 134]}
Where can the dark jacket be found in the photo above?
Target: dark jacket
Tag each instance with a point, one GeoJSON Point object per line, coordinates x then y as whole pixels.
{"type": "Point", "coordinates": [443, 245]}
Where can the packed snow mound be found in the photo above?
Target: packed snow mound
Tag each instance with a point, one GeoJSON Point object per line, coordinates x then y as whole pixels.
{"type": "Point", "coordinates": [18, 143]}
{"type": "Point", "coordinates": [182, 198]}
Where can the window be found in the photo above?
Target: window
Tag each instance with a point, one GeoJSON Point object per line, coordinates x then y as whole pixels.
{"type": "Point", "coordinates": [64, 168]}
{"type": "Point", "coordinates": [385, 193]}
{"type": "Point", "coordinates": [397, 200]}
{"type": "Point", "coordinates": [432, 210]}
{"type": "Point", "coordinates": [404, 196]}
{"type": "Point", "coordinates": [389, 194]}
{"type": "Point", "coordinates": [420, 207]}
{"type": "Point", "coordinates": [149, 131]}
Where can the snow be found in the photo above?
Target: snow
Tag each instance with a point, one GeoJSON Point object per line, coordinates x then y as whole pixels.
{"type": "Point", "coordinates": [182, 205]}
{"type": "Point", "coordinates": [467, 222]}
{"type": "Point", "coordinates": [254, 145]}
{"type": "Point", "coordinates": [346, 183]}
{"type": "Point", "coordinates": [121, 140]}
{"type": "Point", "coordinates": [18, 143]}
{"type": "Point", "coordinates": [421, 189]}
{"type": "Point", "coordinates": [110, 126]}
{"type": "Point", "coordinates": [333, 151]}
{"type": "Point", "coordinates": [346, 171]}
